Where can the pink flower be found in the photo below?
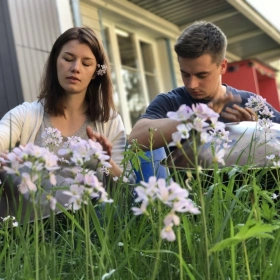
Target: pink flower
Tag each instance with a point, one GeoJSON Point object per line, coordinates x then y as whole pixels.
{"type": "Point", "coordinates": [204, 112]}
{"type": "Point", "coordinates": [27, 183]}
{"type": "Point", "coordinates": [142, 210]}
{"type": "Point", "coordinates": [184, 113]}
{"type": "Point", "coordinates": [168, 233]}
{"type": "Point", "coordinates": [52, 201]}
{"type": "Point", "coordinates": [184, 129]}
{"type": "Point", "coordinates": [176, 137]}
{"type": "Point", "coordinates": [185, 205]}
{"type": "Point", "coordinates": [172, 218]}
{"type": "Point", "coordinates": [219, 156]}
{"type": "Point", "coordinates": [76, 196]}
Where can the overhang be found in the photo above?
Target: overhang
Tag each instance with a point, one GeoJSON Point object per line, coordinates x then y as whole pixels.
{"type": "Point", "coordinates": [249, 34]}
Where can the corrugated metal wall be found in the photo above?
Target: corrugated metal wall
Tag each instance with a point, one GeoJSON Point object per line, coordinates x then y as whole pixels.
{"type": "Point", "coordinates": [10, 86]}
{"type": "Point", "coordinates": [35, 27]}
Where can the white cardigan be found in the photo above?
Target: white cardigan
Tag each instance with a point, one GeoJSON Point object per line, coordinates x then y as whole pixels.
{"type": "Point", "coordinates": [22, 123]}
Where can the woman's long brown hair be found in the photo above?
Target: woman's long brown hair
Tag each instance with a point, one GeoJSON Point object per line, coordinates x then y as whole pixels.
{"type": "Point", "coordinates": [99, 93]}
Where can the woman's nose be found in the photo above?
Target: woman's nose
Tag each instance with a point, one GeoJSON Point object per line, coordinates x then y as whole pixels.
{"type": "Point", "coordinates": [75, 67]}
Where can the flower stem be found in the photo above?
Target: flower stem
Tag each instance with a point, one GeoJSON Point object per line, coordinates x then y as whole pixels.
{"type": "Point", "coordinates": [200, 192]}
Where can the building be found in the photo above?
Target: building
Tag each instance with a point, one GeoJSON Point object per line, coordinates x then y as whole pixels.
{"type": "Point", "coordinates": [138, 34]}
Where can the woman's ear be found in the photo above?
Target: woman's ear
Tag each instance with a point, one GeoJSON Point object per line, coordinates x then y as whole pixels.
{"type": "Point", "coordinates": [93, 77]}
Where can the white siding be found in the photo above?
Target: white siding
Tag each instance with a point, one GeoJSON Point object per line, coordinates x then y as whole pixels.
{"type": "Point", "coordinates": [90, 18]}
{"type": "Point", "coordinates": [177, 73]}
{"type": "Point", "coordinates": [35, 28]}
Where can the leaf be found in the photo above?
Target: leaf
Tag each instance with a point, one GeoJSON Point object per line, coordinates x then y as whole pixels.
{"type": "Point", "coordinates": [258, 230]}
{"type": "Point", "coordinates": [232, 241]}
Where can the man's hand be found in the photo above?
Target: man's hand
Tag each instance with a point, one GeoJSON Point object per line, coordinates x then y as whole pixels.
{"type": "Point", "coordinates": [218, 104]}
{"type": "Point", "coordinates": [238, 114]}
{"type": "Point", "coordinates": [95, 136]}
{"type": "Point", "coordinates": [234, 114]}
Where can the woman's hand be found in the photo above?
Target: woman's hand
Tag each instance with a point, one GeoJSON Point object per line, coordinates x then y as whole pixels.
{"type": "Point", "coordinates": [107, 146]}
{"type": "Point", "coordinates": [95, 136]}
{"type": "Point", "coordinates": [3, 158]}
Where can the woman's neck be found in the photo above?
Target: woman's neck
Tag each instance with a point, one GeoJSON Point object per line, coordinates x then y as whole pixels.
{"type": "Point", "coordinates": [75, 105]}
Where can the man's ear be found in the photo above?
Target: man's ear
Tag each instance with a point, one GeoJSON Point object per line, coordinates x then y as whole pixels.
{"type": "Point", "coordinates": [223, 66]}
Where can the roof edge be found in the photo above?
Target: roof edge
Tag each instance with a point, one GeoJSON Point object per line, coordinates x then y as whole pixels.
{"type": "Point", "coordinates": [256, 18]}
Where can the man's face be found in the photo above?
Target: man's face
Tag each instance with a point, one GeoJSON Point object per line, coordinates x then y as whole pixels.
{"type": "Point", "coordinates": [202, 76]}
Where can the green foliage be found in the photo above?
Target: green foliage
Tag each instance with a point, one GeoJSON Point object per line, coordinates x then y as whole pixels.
{"type": "Point", "coordinates": [235, 237]}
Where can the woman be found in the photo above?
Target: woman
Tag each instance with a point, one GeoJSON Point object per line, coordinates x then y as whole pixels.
{"type": "Point", "coordinates": [76, 97]}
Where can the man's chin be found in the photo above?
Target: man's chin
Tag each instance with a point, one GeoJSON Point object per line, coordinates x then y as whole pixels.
{"type": "Point", "coordinates": [198, 95]}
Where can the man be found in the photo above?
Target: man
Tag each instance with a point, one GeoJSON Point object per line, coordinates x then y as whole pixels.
{"type": "Point", "coordinates": [201, 52]}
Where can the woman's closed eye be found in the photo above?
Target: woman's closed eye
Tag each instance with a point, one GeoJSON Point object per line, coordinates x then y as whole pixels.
{"type": "Point", "coordinates": [68, 59]}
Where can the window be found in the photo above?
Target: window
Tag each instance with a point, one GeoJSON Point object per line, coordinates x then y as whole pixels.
{"type": "Point", "coordinates": [133, 72]}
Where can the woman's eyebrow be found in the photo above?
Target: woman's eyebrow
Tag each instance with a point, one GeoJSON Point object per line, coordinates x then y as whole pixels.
{"type": "Point", "coordinates": [74, 55]}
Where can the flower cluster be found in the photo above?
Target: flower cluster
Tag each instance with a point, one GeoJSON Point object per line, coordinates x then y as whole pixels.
{"type": "Point", "coordinates": [172, 196]}
{"type": "Point", "coordinates": [10, 219]}
{"type": "Point", "coordinates": [85, 185]}
{"type": "Point", "coordinates": [52, 137]}
{"type": "Point", "coordinates": [37, 166]}
{"type": "Point", "coordinates": [102, 69]}
{"type": "Point", "coordinates": [204, 120]}
{"type": "Point", "coordinates": [275, 158]}
{"type": "Point", "coordinates": [29, 162]}
{"type": "Point", "coordinates": [258, 105]}
{"type": "Point", "coordinates": [82, 151]}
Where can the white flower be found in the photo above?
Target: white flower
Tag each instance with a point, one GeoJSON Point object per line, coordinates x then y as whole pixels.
{"type": "Point", "coordinates": [171, 218]}
{"type": "Point", "coordinates": [76, 196]}
{"type": "Point", "coordinates": [219, 156]}
{"type": "Point", "coordinates": [168, 233]}
{"type": "Point", "coordinates": [6, 218]}
{"type": "Point", "coordinates": [142, 210]}
{"type": "Point", "coordinates": [52, 137]}
{"type": "Point", "coordinates": [176, 137]}
{"type": "Point", "coordinates": [108, 275]}
{"type": "Point", "coordinates": [203, 112]}
{"type": "Point", "coordinates": [125, 180]}
{"type": "Point", "coordinates": [52, 201]}
{"type": "Point", "coordinates": [27, 183]}
{"type": "Point", "coordinates": [184, 113]}
{"type": "Point", "coordinates": [120, 244]}
{"type": "Point", "coordinates": [185, 205]}
{"type": "Point", "coordinates": [184, 129]}
{"type": "Point", "coordinates": [105, 170]}
{"type": "Point", "coordinates": [15, 224]}
{"type": "Point", "coordinates": [270, 157]}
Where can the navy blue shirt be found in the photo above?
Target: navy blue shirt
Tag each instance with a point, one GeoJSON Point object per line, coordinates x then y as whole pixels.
{"type": "Point", "coordinates": [171, 101]}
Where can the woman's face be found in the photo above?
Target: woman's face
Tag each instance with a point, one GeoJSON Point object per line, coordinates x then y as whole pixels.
{"type": "Point", "coordinates": [76, 65]}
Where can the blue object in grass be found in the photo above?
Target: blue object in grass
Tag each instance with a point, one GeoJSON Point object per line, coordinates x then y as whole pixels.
{"type": "Point", "coordinates": [147, 168]}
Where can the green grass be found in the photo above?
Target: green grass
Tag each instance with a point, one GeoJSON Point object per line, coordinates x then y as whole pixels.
{"type": "Point", "coordinates": [236, 236]}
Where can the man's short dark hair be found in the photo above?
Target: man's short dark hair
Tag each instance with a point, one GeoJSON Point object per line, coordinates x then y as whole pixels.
{"type": "Point", "coordinates": [202, 38]}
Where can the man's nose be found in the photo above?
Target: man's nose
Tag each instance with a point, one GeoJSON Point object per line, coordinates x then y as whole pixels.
{"type": "Point", "coordinates": [192, 83]}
